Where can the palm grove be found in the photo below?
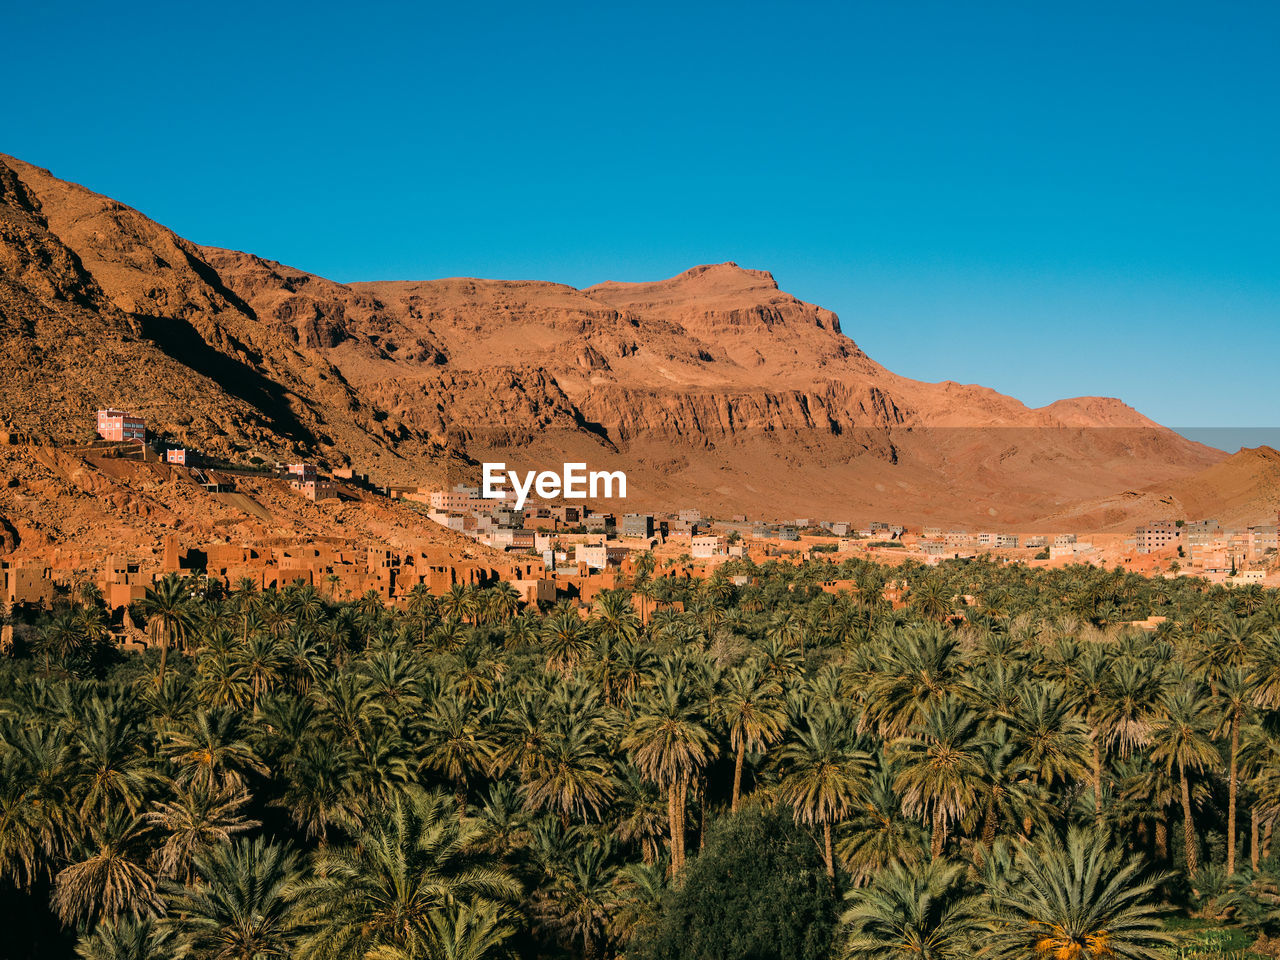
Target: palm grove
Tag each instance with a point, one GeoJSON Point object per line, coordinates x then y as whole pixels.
{"type": "Point", "coordinates": [1002, 768]}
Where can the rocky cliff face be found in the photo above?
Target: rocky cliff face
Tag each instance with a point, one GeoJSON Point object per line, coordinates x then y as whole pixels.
{"type": "Point", "coordinates": [107, 307]}
{"type": "Point", "coordinates": [711, 387]}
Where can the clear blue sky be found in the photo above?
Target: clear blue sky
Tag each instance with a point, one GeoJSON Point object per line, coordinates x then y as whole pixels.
{"type": "Point", "coordinates": [1050, 200]}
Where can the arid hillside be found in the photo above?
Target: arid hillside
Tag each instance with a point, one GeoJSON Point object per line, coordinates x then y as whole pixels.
{"type": "Point", "coordinates": [75, 508]}
{"type": "Point", "coordinates": [713, 388]}
{"type": "Point", "coordinates": [99, 305]}
{"type": "Point", "coordinates": [1240, 491]}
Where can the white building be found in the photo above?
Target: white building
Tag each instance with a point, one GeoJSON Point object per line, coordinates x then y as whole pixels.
{"type": "Point", "coordinates": [703, 547]}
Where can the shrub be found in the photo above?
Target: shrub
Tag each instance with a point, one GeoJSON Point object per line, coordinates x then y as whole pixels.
{"type": "Point", "coordinates": [758, 891]}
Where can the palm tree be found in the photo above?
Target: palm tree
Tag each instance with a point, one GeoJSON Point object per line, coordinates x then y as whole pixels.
{"type": "Point", "coordinates": [413, 859]}
{"type": "Point", "coordinates": [262, 661]}
{"type": "Point", "coordinates": [319, 792]}
{"type": "Point", "coordinates": [129, 939]}
{"type": "Point", "coordinates": [333, 581]}
{"type": "Point", "coordinates": [63, 640]}
{"type": "Point", "coordinates": [1130, 702]}
{"type": "Point", "coordinates": [647, 591]}
{"type": "Point", "coordinates": [934, 599]}
{"type": "Point", "coordinates": [751, 707]}
{"type": "Point", "coordinates": [640, 815]}
{"type": "Point", "coordinates": [195, 821]}
{"type": "Point", "coordinates": [786, 630]}
{"type": "Point", "coordinates": [940, 768]}
{"type": "Point", "coordinates": [455, 745]}
{"type": "Point", "coordinates": [1264, 669]}
{"type": "Point", "coordinates": [396, 679]}
{"type": "Point", "coordinates": [670, 744]}
{"type": "Point", "coordinates": [1235, 697]}
{"type": "Point", "coordinates": [780, 661]}
{"type": "Point", "coordinates": [918, 913]}
{"type": "Point", "coordinates": [244, 594]}
{"type": "Point", "coordinates": [32, 815]}
{"type": "Point", "coordinates": [878, 833]}
{"type": "Point", "coordinates": [580, 902]}
{"type": "Point", "coordinates": [1142, 796]}
{"type": "Point", "coordinates": [522, 733]}
{"type": "Point", "coordinates": [572, 777]}
{"type": "Point", "coordinates": [566, 640]}
{"type": "Point", "coordinates": [505, 823]}
{"type": "Point", "coordinates": [1052, 738]}
{"type": "Point", "coordinates": [210, 753]}
{"type": "Point", "coordinates": [521, 632]}
{"type": "Point", "coordinates": [1260, 759]}
{"type": "Point", "coordinates": [107, 878]}
{"type": "Point", "coordinates": [222, 679]}
{"type": "Point", "coordinates": [915, 670]}
{"type": "Point", "coordinates": [504, 601]}
{"type": "Point", "coordinates": [381, 765]}
{"type": "Point", "coordinates": [466, 931]}
{"type": "Point", "coordinates": [824, 779]}
{"type": "Point", "coordinates": [1079, 898]}
{"type": "Point", "coordinates": [422, 608]}
{"type": "Point", "coordinates": [168, 609]}
{"type": "Point", "coordinates": [459, 603]}
{"type": "Point", "coordinates": [91, 621]}
{"type": "Point", "coordinates": [1009, 795]}
{"type": "Point", "coordinates": [111, 764]}
{"type": "Point", "coordinates": [243, 907]}
{"type": "Point", "coordinates": [615, 617]}
{"type": "Point", "coordinates": [1181, 739]}
{"type": "Point", "coordinates": [1087, 677]}
{"type": "Point", "coordinates": [305, 659]}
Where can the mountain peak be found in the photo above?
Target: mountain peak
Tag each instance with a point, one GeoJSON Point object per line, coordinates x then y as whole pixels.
{"type": "Point", "coordinates": [701, 279]}
{"type": "Point", "coordinates": [727, 272]}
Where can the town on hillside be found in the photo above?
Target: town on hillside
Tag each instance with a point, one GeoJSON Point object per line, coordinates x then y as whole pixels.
{"type": "Point", "coordinates": [549, 552]}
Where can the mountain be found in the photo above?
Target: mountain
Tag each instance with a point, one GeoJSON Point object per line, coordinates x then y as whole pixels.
{"type": "Point", "coordinates": [712, 388]}
{"type": "Point", "coordinates": [99, 306]}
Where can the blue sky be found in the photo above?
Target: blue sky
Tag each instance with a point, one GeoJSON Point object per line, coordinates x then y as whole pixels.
{"type": "Point", "coordinates": [1051, 200]}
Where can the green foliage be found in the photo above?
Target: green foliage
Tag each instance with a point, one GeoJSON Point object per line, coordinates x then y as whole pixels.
{"type": "Point", "coordinates": [758, 890]}
{"type": "Point", "coordinates": [130, 940]}
{"type": "Point", "coordinates": [918, 913]}
{"type": "Point", "coordinates": [1078, 896]}
{"type": "Point", "coordinates": [287, 770]}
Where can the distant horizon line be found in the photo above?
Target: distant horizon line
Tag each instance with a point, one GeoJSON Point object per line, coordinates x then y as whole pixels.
{"type": "Point", "coordinates": [1232, 440]}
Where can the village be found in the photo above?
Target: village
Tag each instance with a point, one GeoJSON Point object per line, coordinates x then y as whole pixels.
{"type": "Point", "coordinates": [549, 552]}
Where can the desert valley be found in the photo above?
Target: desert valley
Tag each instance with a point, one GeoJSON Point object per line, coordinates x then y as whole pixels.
{"type": "Point", "coordinates": [714, 390]}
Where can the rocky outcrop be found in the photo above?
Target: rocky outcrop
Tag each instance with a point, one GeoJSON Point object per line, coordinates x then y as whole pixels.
{"type": "Point", "coordinates": [9, 539]}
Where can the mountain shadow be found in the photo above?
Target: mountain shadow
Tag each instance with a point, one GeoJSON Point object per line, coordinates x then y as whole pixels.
{"type": "Point", "coordinates": [180, 340]}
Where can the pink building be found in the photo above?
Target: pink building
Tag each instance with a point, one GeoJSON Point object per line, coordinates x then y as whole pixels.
{"type": "Point", "coordinates": [302, 472]}
{"type": "Point", "coordinates": [176, 456]}
{"type": "Point", "coordinates": [315, 489]}
{"type": "Point", "coordinates": [118, 425]}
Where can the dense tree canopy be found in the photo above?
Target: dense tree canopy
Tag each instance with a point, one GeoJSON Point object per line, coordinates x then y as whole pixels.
{"type": "Point", "coordinates": [1005, 765]}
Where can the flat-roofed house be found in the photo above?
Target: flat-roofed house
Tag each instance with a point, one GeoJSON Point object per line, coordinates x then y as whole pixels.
{"type": "Point", "coordinates": [121, 425]}
{"type": "Point", "coordinates": [25, 582]}
{"type": "Point", "coordinates": [1153, 537]}
{"type": "Point", "coordinates": [704, 546]}
{"type": "Point", "coordinates": [594, 555]}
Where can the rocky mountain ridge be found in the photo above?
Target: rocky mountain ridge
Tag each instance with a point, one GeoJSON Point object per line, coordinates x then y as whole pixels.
{"type": "Point", "coordinates": [712, 388]}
